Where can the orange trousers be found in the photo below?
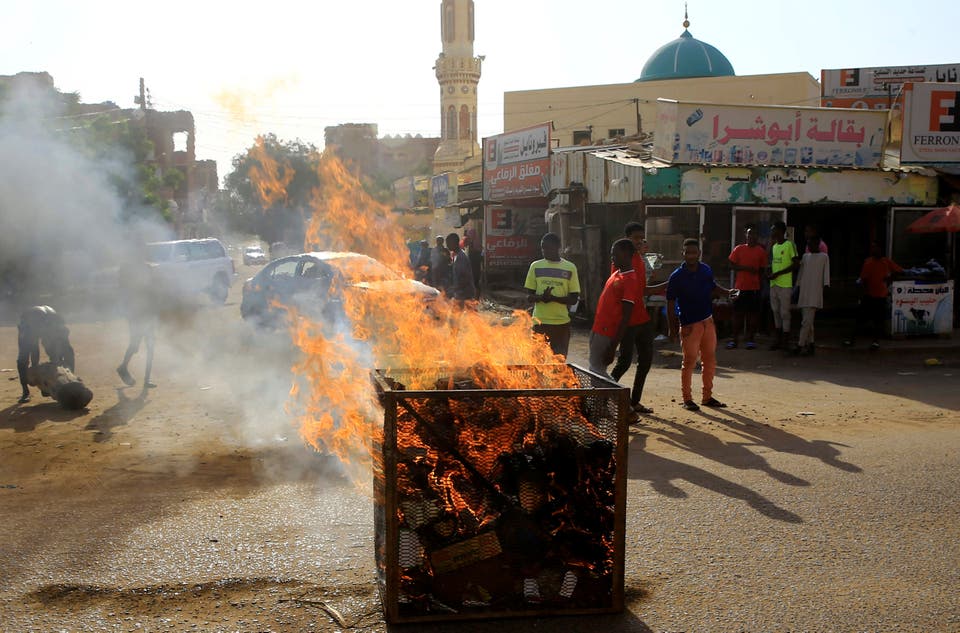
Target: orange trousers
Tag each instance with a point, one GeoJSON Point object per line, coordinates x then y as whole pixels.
{"type": "Point", "coordinates": [698, 340]}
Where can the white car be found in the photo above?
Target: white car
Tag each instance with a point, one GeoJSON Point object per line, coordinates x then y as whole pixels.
{"type": "Point", "coordinates": [254, 255]}
{"type": "Point", "coordinates": [188, 267]}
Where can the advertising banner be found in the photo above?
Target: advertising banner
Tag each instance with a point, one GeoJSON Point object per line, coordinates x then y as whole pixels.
{"type": "Point", "coordinates": [512, 236]}
{"type": "Point", "coordinates": [919, 307]}
{"type": "Point", "coordinates": [931, 123]}
{"type": "Point", "coordinates": [876, 88]}
{"type": "Point", "coordinates": [443, 189]}
{"type": "Point", "coordinates": [705, 133]}
{"type": "Point", "coordinates": [517, 164]}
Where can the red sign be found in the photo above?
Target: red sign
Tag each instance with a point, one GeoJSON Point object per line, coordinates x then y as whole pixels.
{"type": "Point", "coordinates": [516, 165]}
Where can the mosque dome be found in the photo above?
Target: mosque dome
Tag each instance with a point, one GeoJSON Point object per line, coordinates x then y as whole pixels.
{"type": "Point", "coordinates": [686, 57]}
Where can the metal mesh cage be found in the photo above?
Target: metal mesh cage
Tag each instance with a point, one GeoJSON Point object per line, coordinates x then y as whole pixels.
{"type": "Point", "coordinates": [500, 502]}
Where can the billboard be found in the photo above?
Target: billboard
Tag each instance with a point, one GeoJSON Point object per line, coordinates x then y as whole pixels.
{"type": "Point", "coordinates": [708, 133]}
{"type": "Point", "coordinates": [517, 164]}
{"type": "Point", "coordinates": [443, 189]}
{"type": "Point", "coordinates": [919, 307]}
{"type": "Point", "coordinates": [512, 236]}
{"type": "Point", "coordinates": [931, 123]}
{"type": "Point", "coordinates": [877, 88]}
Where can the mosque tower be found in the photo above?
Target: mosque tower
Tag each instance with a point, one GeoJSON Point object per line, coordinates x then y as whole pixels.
{"type": "Point", "coordinates": [458, 73]}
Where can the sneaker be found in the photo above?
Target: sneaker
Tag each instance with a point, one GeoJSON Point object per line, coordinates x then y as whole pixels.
{"type": "Point", "coordinates": [875, 345]}
{"type": "Point", "coordinates": [714, 403]}
{"type": "Point", "coordinates": [639, 408]}
{"type": "Point", "coordinates": [751, 345]}
{"type": "Point", "coordinates": [731, 345]}
{"type": "Point", "coordinates": [690, 405]}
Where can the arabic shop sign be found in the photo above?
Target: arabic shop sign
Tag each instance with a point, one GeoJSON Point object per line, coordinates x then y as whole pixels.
{"type": "Point", "coordinates": [517, 164]}
{"type": "Point", "coordinates": [931, 123]}
{"type": "Point", "coordinates": [761, 185]}
{"type": "Point", "coordinates": [767, 135]}
{"type": "Point", "coordinates": [877, 88]}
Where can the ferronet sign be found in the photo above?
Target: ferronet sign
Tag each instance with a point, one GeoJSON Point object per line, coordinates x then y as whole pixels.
{"type": "Point", "coordinates": [709, 133]}
{"type": "Point", "coordinates": [877, 88]}
{"type": "Point", "coordinates": [516, 164]}
{"type": "Point", "coordinates": [931, 123]}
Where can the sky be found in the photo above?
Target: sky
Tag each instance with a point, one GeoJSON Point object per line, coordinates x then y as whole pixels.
{"type": "Point", "coordinates": [293, 68]}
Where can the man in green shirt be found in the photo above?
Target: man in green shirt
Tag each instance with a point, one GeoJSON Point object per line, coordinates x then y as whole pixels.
{"type": "Point", "coordinates": [784, 260]}
{"type": "Point", "coordinates": [554, 286]}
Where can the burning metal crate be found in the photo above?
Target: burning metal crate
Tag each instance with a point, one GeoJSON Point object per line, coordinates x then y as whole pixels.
{"type": "Point", "coordinates": [501, 502]}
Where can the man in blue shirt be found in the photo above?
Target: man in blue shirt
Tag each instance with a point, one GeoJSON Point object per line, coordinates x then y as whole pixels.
{"type": "Point", "coordinates": [690, 292]}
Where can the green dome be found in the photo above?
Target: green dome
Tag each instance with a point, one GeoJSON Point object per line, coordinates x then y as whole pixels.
{"type": "Point", "coordinates": [686, 57]}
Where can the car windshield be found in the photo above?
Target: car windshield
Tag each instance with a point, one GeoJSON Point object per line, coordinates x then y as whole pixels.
{"type": "Point", "coordinates": [360, 269]}
{"type": "Point", "coordinates": [157, 253]}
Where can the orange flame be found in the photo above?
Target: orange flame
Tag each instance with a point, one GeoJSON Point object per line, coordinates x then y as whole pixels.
{"type": "Point", "coordinates": [334, 396]}
{"type": "Point", "coordinates": [269, 176]}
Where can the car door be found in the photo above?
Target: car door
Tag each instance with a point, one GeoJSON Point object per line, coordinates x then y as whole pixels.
{"type": "Point", "coordinates": [313, 285]}
{"type": "Point", "coordinates": [278, 283]}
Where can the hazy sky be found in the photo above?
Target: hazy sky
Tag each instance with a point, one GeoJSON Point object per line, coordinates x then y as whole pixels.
{"type": "Point", "coordinates": [293, 68]}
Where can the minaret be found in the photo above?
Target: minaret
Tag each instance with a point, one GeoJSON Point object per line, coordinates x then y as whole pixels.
{"type": "Point", "coordinates": [458, 73]}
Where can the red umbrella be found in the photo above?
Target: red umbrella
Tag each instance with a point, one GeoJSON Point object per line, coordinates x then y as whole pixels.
{"type": "Point", "coordinates": [939, 220]}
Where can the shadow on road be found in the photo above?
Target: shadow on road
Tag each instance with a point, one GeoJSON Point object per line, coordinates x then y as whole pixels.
{"type": "Point", "coordinates": [662, 472]}
{"type": "Point", "coordinates": [118, 415]}
{"type": "Point", "coordinates": [23, 418]}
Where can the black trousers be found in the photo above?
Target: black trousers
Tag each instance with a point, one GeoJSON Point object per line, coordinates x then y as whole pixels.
{"type": "Point", "coordinates": [638, 338]}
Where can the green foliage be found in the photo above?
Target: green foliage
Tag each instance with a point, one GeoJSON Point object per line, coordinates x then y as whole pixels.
{"type": "Point", "coordinates": [278, 220]}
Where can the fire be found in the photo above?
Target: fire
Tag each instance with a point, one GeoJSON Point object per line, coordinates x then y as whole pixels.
{"type": "Point", "coordinates": [270, 177]}
{"type": "Point", "coordinates": [333, 396]}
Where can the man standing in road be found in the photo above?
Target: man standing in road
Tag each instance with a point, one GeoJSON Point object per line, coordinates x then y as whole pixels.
{"type": "Point", "coordinates": [690, 292]}
{"type": "Point", "coordinates": [784, 260]}
{"type": "Point", "coordinates": [748, 261]}
{"type": "Point", "coordinates": [136, 284]}
{"type": "Point", "coordinates": [554, 286]}
{"type": "Point", "coordinates": [640, 332]}
{"type": "Point", "coordinates": [461, 287]}
{"type": "Point", "coordinates": [617, 301]}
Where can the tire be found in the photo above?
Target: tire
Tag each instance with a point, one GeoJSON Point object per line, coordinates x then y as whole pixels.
{"type": "Point", "coordinates": [220, 289]}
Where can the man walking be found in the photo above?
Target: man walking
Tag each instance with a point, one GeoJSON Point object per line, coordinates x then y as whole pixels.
{"type": "Point", "coordinates": [814, 275]}
{"type": "Point", "coordinates": [554, 286]}
{"type": "Point", "coordinates": [690, 291]}
{"type": "Point", "coordinates": [748, 261]}
{"type": "Point", "coordinates": [640, 332]}
{"type": "Point", "coordinates": [137, 287]}
{"type": "Point", "coordinates": [784, 260]}
{"type": "Point", "coordinates": [617, 301]}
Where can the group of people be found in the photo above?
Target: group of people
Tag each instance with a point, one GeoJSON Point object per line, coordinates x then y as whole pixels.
{"type": "Point", "coordinates": [452, 265]}
{"type": "Point", "coordinates": [622, 326]}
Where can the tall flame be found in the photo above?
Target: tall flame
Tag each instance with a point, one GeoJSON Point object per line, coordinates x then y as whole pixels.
{"type": "Point", "coordinates": [333, 396]}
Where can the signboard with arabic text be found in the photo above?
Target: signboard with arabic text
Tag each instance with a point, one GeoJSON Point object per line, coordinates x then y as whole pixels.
{"type": "Point", "coordinates": [931, 124]}
{"type": "Point", "coordinates": [517, 164]}
{"type": "Point", "coordinates": [919, 307]}
{"type": "Point", "coordinates": [707, 133]}
{"type": "Point", "coordinates": [876, 88]}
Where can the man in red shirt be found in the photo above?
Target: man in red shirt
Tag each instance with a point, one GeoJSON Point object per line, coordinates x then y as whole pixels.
{"type": "Point", "coordinates": [874, 277]}
{"type": "Point", "coordinates": [617, 301]}
{"type": "Point", "coordinates": [640, 333]}
{"type": "Point", "coordinates": [748, 261]}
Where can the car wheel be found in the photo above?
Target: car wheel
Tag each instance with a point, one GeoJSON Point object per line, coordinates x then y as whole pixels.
{"type": "Point", "coordinates": [220, 289]}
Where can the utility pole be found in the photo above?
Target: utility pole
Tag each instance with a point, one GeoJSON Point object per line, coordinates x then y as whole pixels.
{"type": "Point", "coordinates": [636, 102]}
{"type": "Point", "coordinates": [142, 99]}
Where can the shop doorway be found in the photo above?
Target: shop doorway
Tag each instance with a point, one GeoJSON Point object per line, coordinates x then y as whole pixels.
{"type": "Point", "coordinates": [666, 228]}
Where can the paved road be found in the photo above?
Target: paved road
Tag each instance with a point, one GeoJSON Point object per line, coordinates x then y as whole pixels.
{"type": "Point", "coordinates": [196, 508]}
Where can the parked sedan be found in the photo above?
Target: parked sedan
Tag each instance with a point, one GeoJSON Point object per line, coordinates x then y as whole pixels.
{"type": "Point", "coordinates": [312, 282]}
{"type": "Point", "coordinates": [254, 255]}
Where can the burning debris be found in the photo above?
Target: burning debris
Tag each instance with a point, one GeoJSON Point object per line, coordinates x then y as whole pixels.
{"type": "Point", "coordinates": [500, 501]}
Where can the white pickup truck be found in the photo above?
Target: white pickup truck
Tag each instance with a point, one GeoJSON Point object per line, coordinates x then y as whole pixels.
{"type": "Point", "coordinates": [187, 267]}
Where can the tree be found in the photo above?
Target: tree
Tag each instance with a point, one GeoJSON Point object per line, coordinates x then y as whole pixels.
{"type": "Point", "coordinates": [270, 189]}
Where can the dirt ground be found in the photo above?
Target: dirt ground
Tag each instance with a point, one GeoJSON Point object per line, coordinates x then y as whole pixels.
{"type": "Point", "coordinates": [822, 499]}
